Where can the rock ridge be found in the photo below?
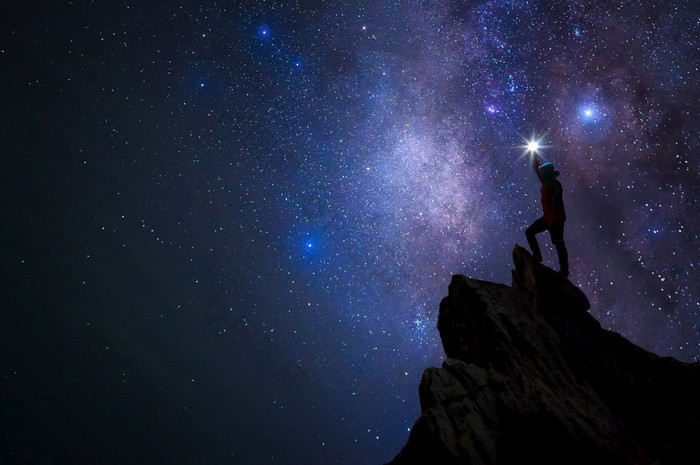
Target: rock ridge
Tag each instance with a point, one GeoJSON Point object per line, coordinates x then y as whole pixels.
{"type": "Point", "coordinates": [530, 375]}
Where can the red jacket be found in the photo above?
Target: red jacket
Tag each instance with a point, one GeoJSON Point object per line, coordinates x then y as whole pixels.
{"type": "Point", "coordinates": [552, 202]}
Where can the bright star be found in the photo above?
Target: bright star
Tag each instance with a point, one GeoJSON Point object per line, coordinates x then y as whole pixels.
{"type": "Point", "coordinates": [264, 32]}
{"type": "Point", "coordinates": [588, 112]}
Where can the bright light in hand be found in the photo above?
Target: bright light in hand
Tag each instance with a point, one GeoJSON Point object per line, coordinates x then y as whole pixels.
{"type": "Point", "coordinates": [533, 146]}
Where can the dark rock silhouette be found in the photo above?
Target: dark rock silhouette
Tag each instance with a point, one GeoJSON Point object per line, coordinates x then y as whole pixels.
{"type": "Point", "coordinates": [531, 377]}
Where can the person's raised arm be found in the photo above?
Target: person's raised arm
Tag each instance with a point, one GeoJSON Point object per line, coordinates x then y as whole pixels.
{"type": "Point", "coordinates": [536, 163]}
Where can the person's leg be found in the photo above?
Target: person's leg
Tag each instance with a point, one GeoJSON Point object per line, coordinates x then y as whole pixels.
{"type": "Point", "coordinates": [537, 227]}
{"type": "Point", "coordinates": [557, 233]}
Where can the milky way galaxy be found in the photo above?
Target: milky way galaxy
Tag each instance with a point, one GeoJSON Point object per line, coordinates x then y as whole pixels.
{"type": "Point", "coordinates": [228, 225]}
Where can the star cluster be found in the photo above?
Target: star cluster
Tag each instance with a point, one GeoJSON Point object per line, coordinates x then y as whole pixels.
{"type": "Point", "coordinates": [230, 224]}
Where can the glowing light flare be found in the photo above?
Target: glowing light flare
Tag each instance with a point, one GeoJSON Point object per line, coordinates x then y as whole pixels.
{"type": "Point", "coordinates": [532, 147]}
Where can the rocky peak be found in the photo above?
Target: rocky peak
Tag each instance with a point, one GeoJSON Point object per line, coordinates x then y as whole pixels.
{"type": "Point", "coordinates": [530, 375]}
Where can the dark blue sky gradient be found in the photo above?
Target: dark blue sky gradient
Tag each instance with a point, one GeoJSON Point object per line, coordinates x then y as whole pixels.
{"type": "Point", "coordinates": [227, 226]}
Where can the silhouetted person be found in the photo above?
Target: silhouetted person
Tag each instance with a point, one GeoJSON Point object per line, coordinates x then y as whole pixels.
{"type": "Point", "coordinates": [553, 215]}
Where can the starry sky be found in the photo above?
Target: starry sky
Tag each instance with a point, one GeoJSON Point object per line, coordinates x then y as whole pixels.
{"type": "Point", "coordinates": [227, 225]}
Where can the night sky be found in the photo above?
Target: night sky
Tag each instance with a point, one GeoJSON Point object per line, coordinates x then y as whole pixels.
{"type": "Point", "coordinates": [227, 226]}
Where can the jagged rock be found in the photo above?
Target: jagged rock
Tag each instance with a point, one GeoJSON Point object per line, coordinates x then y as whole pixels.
{"type": "Point", "coordinates": [531, 377]}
